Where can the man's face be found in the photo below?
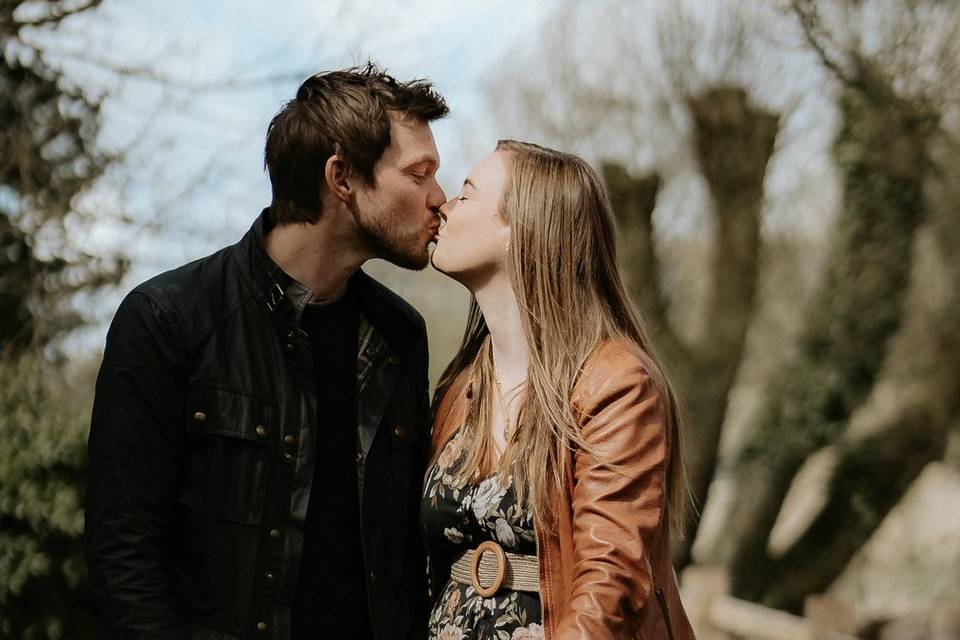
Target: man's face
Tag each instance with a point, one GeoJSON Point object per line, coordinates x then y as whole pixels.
{"type": "Point", "coordinates": [397, 214]}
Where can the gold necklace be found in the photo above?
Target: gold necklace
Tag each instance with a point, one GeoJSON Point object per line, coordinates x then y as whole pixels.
{"type": "Point", "coordinates": [504, 407]}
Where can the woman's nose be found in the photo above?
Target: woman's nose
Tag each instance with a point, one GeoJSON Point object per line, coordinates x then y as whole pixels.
{"type": "Point", "coordinates": [447, 207]}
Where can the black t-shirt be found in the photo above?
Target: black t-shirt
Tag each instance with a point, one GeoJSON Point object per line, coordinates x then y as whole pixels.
{"type": "Point", "coordinates": [331, 593]}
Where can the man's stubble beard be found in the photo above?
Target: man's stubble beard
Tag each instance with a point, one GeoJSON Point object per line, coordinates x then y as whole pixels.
{"type": "Point", "coordinates": [385, 239]}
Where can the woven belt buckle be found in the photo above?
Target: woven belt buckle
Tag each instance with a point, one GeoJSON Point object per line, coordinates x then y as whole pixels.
{"type": "Point", "coordinates": [496, 550]}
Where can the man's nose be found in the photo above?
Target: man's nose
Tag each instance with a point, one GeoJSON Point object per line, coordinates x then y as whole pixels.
{"type": "Point", "coordinates": [436, 197]}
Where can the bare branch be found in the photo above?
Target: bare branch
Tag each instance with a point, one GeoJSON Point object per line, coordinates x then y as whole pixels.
{"type": "Point", "coordinates": [56, 13]}
{"type": "Point", "coordinates": [809, 17]}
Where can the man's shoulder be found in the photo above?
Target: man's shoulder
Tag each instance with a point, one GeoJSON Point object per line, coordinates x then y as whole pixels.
{"type": "Point", "coordinates": [180, 284]}
{"type": "Point", "coordinates": [195, 294]}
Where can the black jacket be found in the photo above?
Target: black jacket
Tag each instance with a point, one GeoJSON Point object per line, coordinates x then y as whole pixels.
{"type": "Point", "coordinates": [203, 444]}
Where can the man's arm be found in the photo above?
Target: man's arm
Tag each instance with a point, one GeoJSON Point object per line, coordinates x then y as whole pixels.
{"type": "Point", "coordinates": [132, 473]}
{"type": "Point", "coordinates": [416, 552]}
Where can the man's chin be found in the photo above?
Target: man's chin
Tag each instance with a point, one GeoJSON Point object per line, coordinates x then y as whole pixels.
{"type": "Point", "coordinates": [409, 260]}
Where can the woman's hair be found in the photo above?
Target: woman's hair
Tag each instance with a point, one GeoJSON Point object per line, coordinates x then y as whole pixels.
{"type": "Point", "coordinates": [563, 268]}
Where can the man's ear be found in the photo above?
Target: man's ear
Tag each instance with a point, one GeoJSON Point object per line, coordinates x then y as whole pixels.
{"type": "Point", "coordinates": [339, 178]}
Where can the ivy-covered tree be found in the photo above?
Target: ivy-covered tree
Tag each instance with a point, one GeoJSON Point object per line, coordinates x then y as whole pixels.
{"type": "Point", "coordinates": [49, 158]}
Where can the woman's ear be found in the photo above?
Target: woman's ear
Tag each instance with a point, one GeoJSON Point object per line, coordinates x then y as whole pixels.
{"type": "Point", "coordinates": [338, 178]}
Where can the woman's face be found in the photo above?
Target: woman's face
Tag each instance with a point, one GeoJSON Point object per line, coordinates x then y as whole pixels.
{"type": "Point", "coordinates": [473, 238]}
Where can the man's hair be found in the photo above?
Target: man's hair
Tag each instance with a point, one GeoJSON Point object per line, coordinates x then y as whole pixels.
{"type": "Point", "coordinates": [339, 112]}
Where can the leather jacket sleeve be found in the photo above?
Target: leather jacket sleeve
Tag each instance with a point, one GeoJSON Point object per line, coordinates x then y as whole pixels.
{"type": "Point", "coordinates": [617, 500]}
{"type": "Point", "coordinates": [132, 466]}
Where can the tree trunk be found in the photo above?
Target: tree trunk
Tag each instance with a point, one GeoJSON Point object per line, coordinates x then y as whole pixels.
{"type": "Point", "coordinates": [733, 142]}
{"type": "Point", "coordinates": [881, 151]}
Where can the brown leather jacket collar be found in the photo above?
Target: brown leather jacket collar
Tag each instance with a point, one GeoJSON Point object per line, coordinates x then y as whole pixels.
{"type": "Point", "coordinates": [605, 572]}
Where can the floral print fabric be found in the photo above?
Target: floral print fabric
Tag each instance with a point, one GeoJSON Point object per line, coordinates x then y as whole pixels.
{"type": "Point", "coordinates": [456, 518]}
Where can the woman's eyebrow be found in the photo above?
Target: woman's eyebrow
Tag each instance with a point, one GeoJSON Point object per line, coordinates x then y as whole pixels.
{"type": "Point", "coordinates": [468, 181]}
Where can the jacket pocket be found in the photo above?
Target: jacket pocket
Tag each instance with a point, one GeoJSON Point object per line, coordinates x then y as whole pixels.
{"type": "Point", "coordinates": [229, 440]}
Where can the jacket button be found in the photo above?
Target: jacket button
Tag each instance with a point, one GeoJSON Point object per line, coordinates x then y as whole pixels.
{"type": "Point", "coordinates": [393, 360]}
{"type": "Point", "coordinates": [400, 431]}
{"type": "Point", "coordinates": [288, 457]}
{"type": "Point", "coordinates": [262, 431]}
{"type": "Point", "coordinates": [290, 439]}
{"type": "Point", "coordinates": [372, 576]}
{"type": "Point", "coordinates": [262, 627]}
{"type": "Point", "coordinates": [270, 577]}
{"type": "Point", "coordinates": [199, 417]}
{"type": "Point", "coordinates": [289, 348]}
{"type": "Point", "coordinates": [275, 533]}
{"type": "Point", "coordinates": [359, 457]}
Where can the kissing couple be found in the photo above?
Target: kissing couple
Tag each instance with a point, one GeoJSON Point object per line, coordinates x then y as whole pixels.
{"type": "Point", "coordinates": [264, 457]}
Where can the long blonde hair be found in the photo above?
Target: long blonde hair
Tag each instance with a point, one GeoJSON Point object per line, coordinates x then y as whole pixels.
{"type": "Point", "coordinates": [563, 269]}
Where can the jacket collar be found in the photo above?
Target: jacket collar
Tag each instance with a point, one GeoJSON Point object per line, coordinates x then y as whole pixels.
{"type": "Point", "coordinates": [285, 298]}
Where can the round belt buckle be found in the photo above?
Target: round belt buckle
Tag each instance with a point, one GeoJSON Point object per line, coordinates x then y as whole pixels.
{"type": "Point", "coordinates": [496, 550]}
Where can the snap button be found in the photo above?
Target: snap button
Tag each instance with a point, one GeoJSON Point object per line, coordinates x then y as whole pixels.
{"type": "Point", "coordinates": [269, 576]}
{"type": "Point", "coordinates": [199, 417]}
{"type": "Point", "coordinates": [289, 348]}
{"type": "Point", "coordinates": [372, 576]}
{"type": "Point", "coordinates": [288, 457]}
{"type": "Point", "coordinates": [274, 533]}
{"type": "Point", "coordinates": [290, 439]}
{"type": "Point", "coordinates": [400, 431]}
{"type": "Point", "coordinates": [262, 627]}
{"type": "Point", "coordinates": [262, 431]}
{"type": "Point", "coordinates": [393, 360]}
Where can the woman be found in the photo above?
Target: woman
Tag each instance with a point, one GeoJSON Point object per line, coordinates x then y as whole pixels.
{"type": "Point", "coordinates": [556, 474]}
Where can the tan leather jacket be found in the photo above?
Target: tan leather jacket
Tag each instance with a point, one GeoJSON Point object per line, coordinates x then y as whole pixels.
{"type": "Point", "coordinates": [605, 572]}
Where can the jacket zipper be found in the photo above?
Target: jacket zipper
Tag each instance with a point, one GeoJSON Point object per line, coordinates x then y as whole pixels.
{"type": "Point", "coordinates": [661, 599]}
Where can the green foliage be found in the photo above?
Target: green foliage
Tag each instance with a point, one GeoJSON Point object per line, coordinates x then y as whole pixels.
{"type": "Point", "coordinates": [43, 427]}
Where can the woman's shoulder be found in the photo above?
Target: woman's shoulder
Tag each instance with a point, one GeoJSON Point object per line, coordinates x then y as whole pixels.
{"type": "Point", "coordinates": [615, 364]}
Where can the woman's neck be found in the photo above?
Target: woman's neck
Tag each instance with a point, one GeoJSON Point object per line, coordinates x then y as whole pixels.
{"type": "Point", "coordinates": [501, 312]}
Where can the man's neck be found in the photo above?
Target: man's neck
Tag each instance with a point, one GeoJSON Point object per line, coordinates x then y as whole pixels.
{"type": "Point", "coordinates": [320, 256]}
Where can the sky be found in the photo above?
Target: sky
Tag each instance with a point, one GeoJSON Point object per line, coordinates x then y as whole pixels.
{"type": "Point", "coordinates": [203, 81]}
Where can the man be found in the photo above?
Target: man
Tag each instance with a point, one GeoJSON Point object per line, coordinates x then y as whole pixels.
{"type": "Point", "coordinates": [259, 429]}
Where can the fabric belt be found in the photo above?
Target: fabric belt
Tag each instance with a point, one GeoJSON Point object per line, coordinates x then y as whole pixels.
{"type": "Point", "coordinates": [488, 568]}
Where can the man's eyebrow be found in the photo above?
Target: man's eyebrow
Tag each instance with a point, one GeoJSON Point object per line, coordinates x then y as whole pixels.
{"type": "Point", "coordinates": [424, 159]}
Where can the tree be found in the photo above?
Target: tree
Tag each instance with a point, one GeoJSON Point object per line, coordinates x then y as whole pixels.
{"type": "Point", "coordinates": [882, 152]}
{"type": "Point", "coordinates": [48, 130]}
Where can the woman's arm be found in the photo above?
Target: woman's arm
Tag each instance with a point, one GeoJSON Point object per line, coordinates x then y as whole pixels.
{"type": "Point", "coordinates": [618, 500]}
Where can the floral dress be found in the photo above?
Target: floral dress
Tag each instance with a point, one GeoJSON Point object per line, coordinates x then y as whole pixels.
{"type": "Point", "coordinates": [456, 518]}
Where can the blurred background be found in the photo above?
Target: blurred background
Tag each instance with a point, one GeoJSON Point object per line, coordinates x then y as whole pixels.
{"type": "Point", "coordinates": [786, 178]}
